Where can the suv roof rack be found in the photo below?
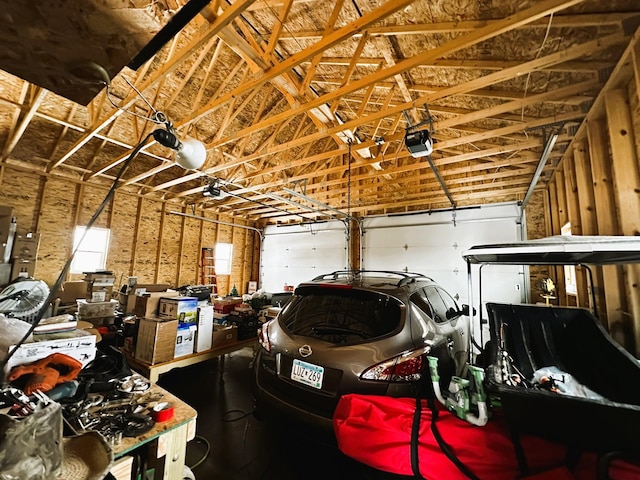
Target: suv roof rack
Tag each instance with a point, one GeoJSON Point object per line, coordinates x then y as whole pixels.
{"type": "Point", "coordinates": [405, 277]}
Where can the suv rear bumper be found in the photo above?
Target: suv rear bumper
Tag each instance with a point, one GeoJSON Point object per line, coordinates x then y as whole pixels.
{"type": "Point", "coordinates": [269, 405]}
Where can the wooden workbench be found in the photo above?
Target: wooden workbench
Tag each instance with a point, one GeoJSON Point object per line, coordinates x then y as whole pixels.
{"type": "Point", "coordinates": [172, 436]}
{"type": "Point", "coordinates": [153, 372]}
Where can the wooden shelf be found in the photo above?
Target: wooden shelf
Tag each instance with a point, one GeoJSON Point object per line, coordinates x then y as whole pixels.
{"type": "Point", "coordinates": [153, 372]}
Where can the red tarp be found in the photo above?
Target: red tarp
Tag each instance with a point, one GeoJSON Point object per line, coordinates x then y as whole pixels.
{"type": "Point", "coordinates": [376, 431]}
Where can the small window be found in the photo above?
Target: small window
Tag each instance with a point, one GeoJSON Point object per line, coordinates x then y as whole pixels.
{"type": "Point", "coordinates": [437, 305]}
{"type": "Point", "coordinates": [340, 315]}
{"type": "Point", "coordinates": [91, 255]}
{"type": "Point", "coordinates": [224, 252]}
{"type": "Point", "coordinates": [420, 300]}
{"type": "Point", "coordinates": [450, 304]}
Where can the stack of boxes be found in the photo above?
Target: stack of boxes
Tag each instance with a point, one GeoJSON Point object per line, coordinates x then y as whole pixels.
{"type": "Point", "coordinates": [99, 285]}
{"type": "Point", "coordinates": [244, 318]}
{"type": "Point", "coordinates": [184, 310]}
{"type": "Point", "coordinates": [129, 293]}
{"type": "Point", "coordinates": [97, 313]}
{"type": "Point", "coordinates": [172, 326]}
{"type": "Point", "coordinates": [222, 307]}
{"type": "Point", "coordinates": [167, 331]}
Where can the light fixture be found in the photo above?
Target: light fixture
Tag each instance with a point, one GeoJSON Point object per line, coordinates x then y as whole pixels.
{"type": "Point", "coordinates": [190, 153]}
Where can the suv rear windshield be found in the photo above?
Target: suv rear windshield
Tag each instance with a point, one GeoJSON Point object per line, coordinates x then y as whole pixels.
{"type": "Point", "coordinates": [340, 315]}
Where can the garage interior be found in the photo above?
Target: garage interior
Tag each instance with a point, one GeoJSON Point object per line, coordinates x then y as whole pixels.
{"type": "Point", "coordinates": [346, 135]}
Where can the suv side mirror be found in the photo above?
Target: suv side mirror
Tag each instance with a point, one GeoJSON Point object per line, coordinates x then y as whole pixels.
{"type": "Point", "coordinates": [465, 310]}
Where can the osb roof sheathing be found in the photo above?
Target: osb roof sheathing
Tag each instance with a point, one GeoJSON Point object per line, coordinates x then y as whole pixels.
{"type": "Point", "coordinates": [308, 96]}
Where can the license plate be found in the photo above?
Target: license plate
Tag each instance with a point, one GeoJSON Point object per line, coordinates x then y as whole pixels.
{"type": "Point", "coordinates": [307, 373]}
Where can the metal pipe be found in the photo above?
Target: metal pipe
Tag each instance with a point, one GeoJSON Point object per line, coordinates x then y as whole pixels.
{"type": "Point", "coordinates": [260, 236]}
{"type": "Point", "coordinates": [551, 141]}
{"type": "Point", "coordinates": [440, 180]}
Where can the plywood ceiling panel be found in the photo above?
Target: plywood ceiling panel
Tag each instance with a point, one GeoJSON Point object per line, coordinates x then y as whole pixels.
{"type": "Point", "coordinates": [303, 105]}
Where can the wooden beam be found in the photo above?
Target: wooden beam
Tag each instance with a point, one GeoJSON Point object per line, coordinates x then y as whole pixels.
{"type": "Point", "coordinates": [613, 282]}
{"type": "Point", "coordinates": [24, 123]}
{"type": "Point", "coordinates": [588, 221]}
{"type": "Point", "coordinates": [496, 77]}
{"type": "Point", "coordinates": [627, 189]}
{"type": "Point", "coordinates": [559, 21]}
{"type": "Point", "coordinates": [383, 11]}
{"type": "Point", "coordinates": [328, 29]}
{"type": "Point", "coordinates": [277, 29]}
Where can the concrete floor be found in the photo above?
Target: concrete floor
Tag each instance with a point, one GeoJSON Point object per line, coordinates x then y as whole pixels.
{"type": "Point", "coordinates": [244, 448]}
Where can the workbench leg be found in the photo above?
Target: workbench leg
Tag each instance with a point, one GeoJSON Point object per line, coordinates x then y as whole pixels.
{"type": "Point", "coordinates": [153, 376]}
{"type": "Point", "coordinates": [173, 445]}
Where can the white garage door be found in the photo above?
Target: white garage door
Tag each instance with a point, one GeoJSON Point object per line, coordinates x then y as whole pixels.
{"type": "Point", "coordinates": [432, 244]}
{"type": "Point", "coordinates": [293, 254]}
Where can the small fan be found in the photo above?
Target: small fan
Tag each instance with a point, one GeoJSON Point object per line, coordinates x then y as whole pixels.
{"type": "Point", "coordinates": [23, 299]}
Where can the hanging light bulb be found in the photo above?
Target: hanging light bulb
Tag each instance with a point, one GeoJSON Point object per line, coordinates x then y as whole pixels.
{"type": "Point", "coordinates": [190, 153]}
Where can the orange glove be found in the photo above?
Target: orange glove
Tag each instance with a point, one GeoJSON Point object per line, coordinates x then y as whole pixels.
{"type": "Point", "coordinates": [47, 373]}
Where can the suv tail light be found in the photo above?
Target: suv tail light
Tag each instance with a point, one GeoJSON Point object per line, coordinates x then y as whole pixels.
{"type": "Point", "coordinates": [407, 367]}
{"type": "Point", "coordinates": [263, 338]}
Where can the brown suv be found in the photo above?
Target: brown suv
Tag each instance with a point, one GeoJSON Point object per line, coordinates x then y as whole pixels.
{"type": "Point", "coordinates": [366, 332]}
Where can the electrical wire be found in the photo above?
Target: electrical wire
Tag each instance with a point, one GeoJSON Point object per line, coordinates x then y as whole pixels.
{"type": "Point", "coordinates": [207, 445]}
{"type": "Point", "coordinates": [526, 85]}
{"type": "Point", "coordinates": [58, 283]}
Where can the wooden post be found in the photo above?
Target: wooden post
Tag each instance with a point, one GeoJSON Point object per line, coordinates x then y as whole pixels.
{"type": "Point", "coordinates": [571, 191]}
{"type": "Point", "coordinates": [183, 229]}
{"type": "Point", "coordinates": [163, 214]}
{"type": "Point", "coordinates": [607, 225]}
{"type": "Point", "coordinates": [586, 200]}
{"type": "Point", "coordinates": [626, 188]}
{"type": "Point", "coordinates": [563, 218]}
{"type": "Point", "coordinates": [555, 230]}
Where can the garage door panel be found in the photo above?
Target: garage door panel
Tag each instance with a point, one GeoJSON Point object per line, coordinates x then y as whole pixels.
{"type": "Point", "coordinates": [293, 255]}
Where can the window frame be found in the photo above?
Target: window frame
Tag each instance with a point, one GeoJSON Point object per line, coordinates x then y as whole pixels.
{"type": "Point", "coordinates": [222, 260]}
{"type": "Point", "coordinates": [79, 264]}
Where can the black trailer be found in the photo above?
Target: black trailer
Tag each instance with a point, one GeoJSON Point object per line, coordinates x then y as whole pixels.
{"type": "Point", "coordinates": [525, 339]}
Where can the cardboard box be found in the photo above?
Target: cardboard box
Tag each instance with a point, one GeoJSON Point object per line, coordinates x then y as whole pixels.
{"type": "Point", "coordinates": [99, 293]}
{"type": "Point", "coordinates": [82, 347]}
{"type": "Point", "coordinates": [204, 335]}
{"type": "Point", "coordinates": [224, 335]}
{"type": "Point", "coordinates": [128, 295]}
{"type": "Point", "coordinates": [88, 310]}
{"type": "Point", "coordinates": [220, 318]}
{"type": "Point", "coordinates": [26, 246]}
{"type": "Point", "coordinates": [185, 339]}
{"type": "Point", "coordinates": [184, 309]}
{"type": "Point", "coordinates": [226, 305]}
{"type": "Point", "coordinates": [99, 286]}
{"type": "Point", "coordinates": [72, 291]}
{"type": "Point", "coordinates": [147, 303]}
{"type": "Point", "coordinates": [156, 340]}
